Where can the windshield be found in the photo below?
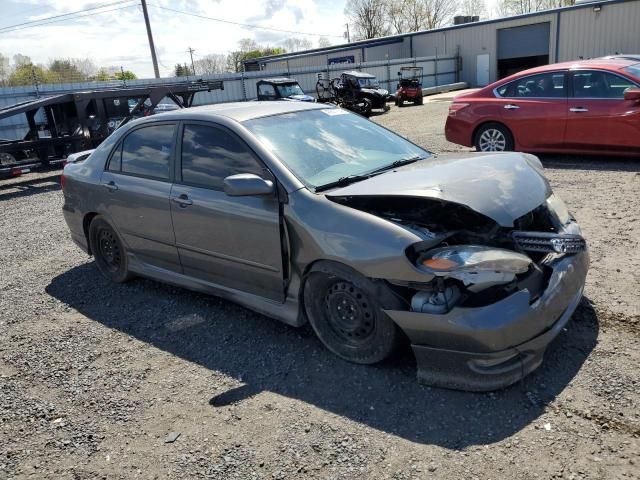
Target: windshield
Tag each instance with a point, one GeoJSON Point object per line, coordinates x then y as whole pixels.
{"type": "Point", "coordinates": [634, 70]}
{"type": "Point", "coordinates": [324, 146]}
{"type": "Point", "coordinates": [289, 90]}
{"type": "Point", "coordinates": [368, 82]}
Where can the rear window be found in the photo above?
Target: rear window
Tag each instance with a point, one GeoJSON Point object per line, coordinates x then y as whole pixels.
{"type": "Point", "coordinates": [633, 70]}
{"type": "Point", "coordinates": [544, 85]}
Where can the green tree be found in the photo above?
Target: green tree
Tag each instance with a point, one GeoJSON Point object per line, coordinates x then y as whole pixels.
{"type": "Point", "coordinates": [102, 76]}
{"type": "Point", "coordinates": [125, 75]}
{"type": "Point", "coordinates": [28, 74]}
{"type": "Point", "coordinates": [64, 71]}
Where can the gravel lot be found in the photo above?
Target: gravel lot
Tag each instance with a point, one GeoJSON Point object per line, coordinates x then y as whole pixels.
{"type": "Point", "coordinates": [98, 380]}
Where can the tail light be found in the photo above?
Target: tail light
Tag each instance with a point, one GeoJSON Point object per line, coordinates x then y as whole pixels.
{"type": "Point", "coordinates": [456, 107]}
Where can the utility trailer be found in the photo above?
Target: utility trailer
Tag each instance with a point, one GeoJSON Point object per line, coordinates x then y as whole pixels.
{"type": "Point", "coordinates": [60, 125]}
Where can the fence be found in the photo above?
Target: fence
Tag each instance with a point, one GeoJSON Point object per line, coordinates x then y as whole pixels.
{"type": "Point", "coordinates": [237, 86]}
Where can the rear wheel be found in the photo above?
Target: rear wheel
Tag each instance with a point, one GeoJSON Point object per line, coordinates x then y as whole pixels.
{"type": "Point", "coordinates": [419, 100]}
{"type": "Point", "coordinates": [494, 137]}
{"type": "Point", "coordinates": [108, 250]}
{"type": "Point", "coordinates": [345, 311]}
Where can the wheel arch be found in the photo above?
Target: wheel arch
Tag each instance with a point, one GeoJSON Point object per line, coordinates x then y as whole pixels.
{"type": "Point", "coordinates": [86, 222]}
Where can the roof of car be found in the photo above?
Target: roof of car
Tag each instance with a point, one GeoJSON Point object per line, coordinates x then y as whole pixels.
{"type": "Point", "coordinates": [239, 111]}
{"type": "Point", "coordinates": [601, 63]}
{"type": "Point", "coordinates": [353, 73]}
{"type": "Point", "coordinates": [278, 80]}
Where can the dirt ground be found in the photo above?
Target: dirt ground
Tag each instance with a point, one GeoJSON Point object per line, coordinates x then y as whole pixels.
{"type": "Point", "coordinates": [97, 380]}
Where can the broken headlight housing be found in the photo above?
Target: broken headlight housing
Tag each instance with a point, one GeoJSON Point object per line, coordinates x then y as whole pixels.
{"type": "Point", "coordinates": [558, 208]}
{"type": "Point", "coordinates": [471, 259]}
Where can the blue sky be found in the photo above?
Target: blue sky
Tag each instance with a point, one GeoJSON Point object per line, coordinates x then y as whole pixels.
{"type": "Point", "coordinates": [118, 37]}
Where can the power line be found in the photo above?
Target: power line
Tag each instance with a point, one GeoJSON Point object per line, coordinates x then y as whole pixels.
{"type": "Point", "coordinates": [242, 24]}
{"type": "Point", "coordinates": [65, 14]}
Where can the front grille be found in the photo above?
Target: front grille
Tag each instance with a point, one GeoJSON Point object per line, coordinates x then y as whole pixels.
{"type": "Point", "coordinates": [547, 242]}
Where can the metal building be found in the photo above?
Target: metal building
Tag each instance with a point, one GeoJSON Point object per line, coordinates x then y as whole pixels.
{"type": "Point", "coordinates": [493, 49]}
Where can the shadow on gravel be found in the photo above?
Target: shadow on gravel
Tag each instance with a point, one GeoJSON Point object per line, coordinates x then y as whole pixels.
{"type": "Point", "coordinates": [266, 355]}
{"type": "Point", "coordinates": [29, 187]}
{"type": "Point", "coordinates": [596, 162]}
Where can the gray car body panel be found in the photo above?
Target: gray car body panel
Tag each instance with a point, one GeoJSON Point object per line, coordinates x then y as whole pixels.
{"type": "Point", "coordinates": [312, 227]}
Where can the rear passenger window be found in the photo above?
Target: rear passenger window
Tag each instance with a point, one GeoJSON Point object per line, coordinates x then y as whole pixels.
{"type": "Point", "coordinates": [211, 154]}
{"type": "Point", "coordinates": [597, 84]}
{"type": "Point", "coordinates": [147, 152]}
{"type": "Point", "coordinates": [544, 85]}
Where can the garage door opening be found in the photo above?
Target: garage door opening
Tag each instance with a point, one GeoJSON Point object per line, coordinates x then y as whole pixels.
{"type": "Point", "coordinates": [520, 48]}
{"type": "Point", "coordinates": [510, 66]}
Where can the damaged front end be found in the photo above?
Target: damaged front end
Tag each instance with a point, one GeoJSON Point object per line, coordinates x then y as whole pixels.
{"type": "Point", "coordinates": [493, 297]}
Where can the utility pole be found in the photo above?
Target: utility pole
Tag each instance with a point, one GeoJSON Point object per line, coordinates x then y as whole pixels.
{"type": "Point", "coordinates": [193, 68]}
{"type": "Point", "coordinates": [150, 36]}
{"type": "Point", "coordinates": [348, 36]}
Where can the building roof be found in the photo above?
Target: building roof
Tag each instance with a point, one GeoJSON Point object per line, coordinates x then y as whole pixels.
{"type": "Point", "coordinates": [399, 37]}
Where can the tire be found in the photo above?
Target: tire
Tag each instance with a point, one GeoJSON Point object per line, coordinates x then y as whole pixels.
{"type": "Point", "coordinates": [108, 250]}
{"type": "Point", "coordinates": [366, 335]}
{"type": "Point", "coordinates": [420, 100]}
{"type": "Point", "coordinates": [493, 137]}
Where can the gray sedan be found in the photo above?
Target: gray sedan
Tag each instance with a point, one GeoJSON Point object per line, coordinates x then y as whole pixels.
{"type": "Point", "coordinates": [309, 213]}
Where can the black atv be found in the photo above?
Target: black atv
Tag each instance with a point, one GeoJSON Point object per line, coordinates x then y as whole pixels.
{"type": "Point", "coordinates": [355, 91]}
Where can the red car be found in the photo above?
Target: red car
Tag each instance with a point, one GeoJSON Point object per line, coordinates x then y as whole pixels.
{"type": "Point", "coordinates": [586, 107]}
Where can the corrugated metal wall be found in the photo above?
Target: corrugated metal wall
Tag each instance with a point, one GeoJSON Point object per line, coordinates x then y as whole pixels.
{"type": "Point", "coordinates": [474, 40]}
{"type": "Point", "coordinates": [239, 87]}
{"type": "Point", "coordinates": [584, 33]}
{"type": "Point", "coordinates": [587, 34]}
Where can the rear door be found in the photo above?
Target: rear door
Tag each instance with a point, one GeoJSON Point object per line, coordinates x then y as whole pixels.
{"type": "Point", "coordinates": [234, 242]}
{"type": "Point", "coordinates": [600, 119]}
{"type": "Point", "coordinates": [534, 107]}
{"type": "Point", "coordinates": [135, 191]}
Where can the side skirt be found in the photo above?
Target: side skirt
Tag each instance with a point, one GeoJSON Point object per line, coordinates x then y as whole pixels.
{"type": "Point", "coordinates": [287, 312]}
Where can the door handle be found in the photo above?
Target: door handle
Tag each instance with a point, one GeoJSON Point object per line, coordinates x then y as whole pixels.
{"type": "Point", "coordinates": [183, 200]}
{"type": "Point", "coordinates": [511, 106]}
{"type": "Point", "coordinates": [111, 186]}
{"type": "Point", "coordinates": [578, 109]}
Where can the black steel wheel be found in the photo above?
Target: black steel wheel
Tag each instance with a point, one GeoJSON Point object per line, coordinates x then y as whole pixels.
{"type": "Point", "coordinates": [349, 313]}
{"type": "Point", "coordinates": [108, 250]}
{"type": "Point", "coordinates": [345, 310]}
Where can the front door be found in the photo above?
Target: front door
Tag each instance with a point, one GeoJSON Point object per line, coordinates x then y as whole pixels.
{"type": "Point", "coordinates": [600, 119]}
{"type": "Point", "coordinates": [234, 242]}
{"type": "Point", "coordinates": [135, 191]}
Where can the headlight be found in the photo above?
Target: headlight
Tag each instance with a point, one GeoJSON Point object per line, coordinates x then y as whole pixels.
{"type": "Point", "coordinates": [473, 259]}
{"type": "Point", "coordinates": [558, 207]}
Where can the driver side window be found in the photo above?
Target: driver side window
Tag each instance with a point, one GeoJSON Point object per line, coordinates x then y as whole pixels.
{"type": "Point", "coordinates": [210, 154]}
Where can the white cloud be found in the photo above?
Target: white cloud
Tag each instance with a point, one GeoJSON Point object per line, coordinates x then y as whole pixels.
{"type": "Point", "coordinates": [119, 37]}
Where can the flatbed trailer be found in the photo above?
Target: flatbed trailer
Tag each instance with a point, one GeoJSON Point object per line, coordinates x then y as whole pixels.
{"type": "Point", "coordinates": [81, 120]}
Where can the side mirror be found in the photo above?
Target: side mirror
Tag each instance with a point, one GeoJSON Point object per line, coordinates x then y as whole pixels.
{"type": "Point", "coordinates": [399, 74]}
{"type": "Point", "coordinates": [247, 184]}
{"type": "Point", "coordinates": [632, 94]}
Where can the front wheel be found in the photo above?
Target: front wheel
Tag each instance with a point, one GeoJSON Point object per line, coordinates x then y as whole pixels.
{"type": "Point", "coordinates": [494, 137]}
{"type": "Point", "coordinates": [346, 312]}
{"type": "Point", "coordinates": [108, 250]}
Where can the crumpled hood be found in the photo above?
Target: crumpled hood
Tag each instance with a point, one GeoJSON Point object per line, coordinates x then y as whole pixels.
{"type": "Point", "coordinates": [501, 186]}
